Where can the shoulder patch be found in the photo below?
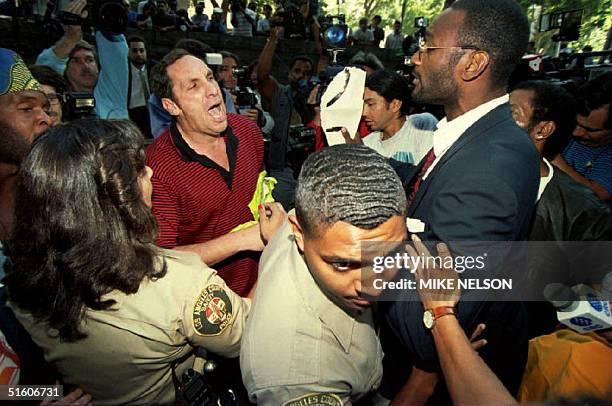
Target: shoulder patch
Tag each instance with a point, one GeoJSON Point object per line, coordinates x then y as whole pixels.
{"type": "Point", "coordinates": [315, 399]}
{"type": "Point", "coordinates": [212, 312]}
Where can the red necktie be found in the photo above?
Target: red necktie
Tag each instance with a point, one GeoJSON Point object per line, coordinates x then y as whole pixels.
{"type": "Point", "coordinates": [430, 158]}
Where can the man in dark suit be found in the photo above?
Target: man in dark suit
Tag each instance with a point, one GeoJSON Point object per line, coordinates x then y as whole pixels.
{"type": "Point", "coordinates": [138, 84]}
{"type": "Point", "coordinates": [478, 183]}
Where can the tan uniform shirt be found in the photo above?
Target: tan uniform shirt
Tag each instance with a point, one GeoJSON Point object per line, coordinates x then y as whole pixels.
{"type": "Point", "coordinates": [127, 355]}
{"type": "Point", "coordinates": [299, 348]}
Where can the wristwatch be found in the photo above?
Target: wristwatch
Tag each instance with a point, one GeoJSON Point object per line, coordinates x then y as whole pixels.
{"type": "Point", "coordinates": [431, 315]}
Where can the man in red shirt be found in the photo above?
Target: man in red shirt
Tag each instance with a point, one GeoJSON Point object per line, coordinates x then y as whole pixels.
{"type": "Point", "coordinates": [205, 172]}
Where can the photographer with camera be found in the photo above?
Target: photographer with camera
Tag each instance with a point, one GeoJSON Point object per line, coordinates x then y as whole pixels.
{"type": "Point", "coordinates": [237, 80]}
{"type": "Point", "coordinates": [105, 74]}
{"type": "Point", "coordinates": [288, 107]}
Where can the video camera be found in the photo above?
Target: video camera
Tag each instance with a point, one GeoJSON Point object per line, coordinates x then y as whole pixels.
{"type": "Point", "coordinates": [291, 19]}
{"type": "Point", "coordinates": [300, 144]}
{"type": "Point", "coordinates": [335, 31]}
{"type": "Point", "coordinates": [323, 80]}
{"type": "Point", "coordinates": [106, 15]}
{"type": "Point", "coordinates": [410, 45]}
{"type": "Point", "coordinates": [245, 95]}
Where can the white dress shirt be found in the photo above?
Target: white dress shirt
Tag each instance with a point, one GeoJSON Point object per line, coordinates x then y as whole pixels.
{"type": "Point", "coordinates": [448, 132]}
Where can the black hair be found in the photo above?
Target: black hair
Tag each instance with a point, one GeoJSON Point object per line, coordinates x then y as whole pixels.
{"type": "Point", "coordinates": [82, 228]}
{"type": "Point", "coordinates": [47, 76]}
{"type": "Point", "coordinates": [595, 94]}
{"type": "Point", "coordinates": [227, 54]}
{"type": "Point", "coordinates": [500, 28]}
{"type": "Point", "coordinates": [349, 183]}
{"type": "Point", "coordinates": [301, 58]}
{"type": "Point", "coordinates": [391, 86]}
{"type": "Point", "coordinates": [160, 82]}
{"type": "Point", "coordinates": [552, 103]}
{"type": "Point", "coordinates": [366, 59]}
{"type": "Point", "coordinates": [135, 38]}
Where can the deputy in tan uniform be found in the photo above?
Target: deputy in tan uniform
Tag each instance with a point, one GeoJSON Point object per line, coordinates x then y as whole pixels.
{"type": "Point", "coordinates": [111, 311]}
{"type": "Point", "coordinates": [310, 338]}
{"type": "Point", "coordinates": [127, 354]}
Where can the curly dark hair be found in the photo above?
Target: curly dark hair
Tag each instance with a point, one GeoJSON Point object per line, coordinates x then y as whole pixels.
{"type": "Point", "coordinates": [350, 183]}
{"type": "Point", "coordinates": [82, 228]}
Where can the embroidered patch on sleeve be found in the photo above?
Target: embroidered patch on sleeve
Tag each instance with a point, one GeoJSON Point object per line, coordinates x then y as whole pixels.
{"type": "Point", "coordinates": [315, 399]}
{"type": "Point", "coordinates": [212, 312]}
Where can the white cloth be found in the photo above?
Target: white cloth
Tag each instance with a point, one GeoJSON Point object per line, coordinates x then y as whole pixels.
{"type": "Point", "coordinates": [448, 132]}
{"type": "Point", "coordinates": [545, 180]}
{"type": "Point", "coordinates": [410, 144]}
{"type": "Point", "coordinates": [137, 98]}
{"type": "Point", "coordinates": [342, 104]}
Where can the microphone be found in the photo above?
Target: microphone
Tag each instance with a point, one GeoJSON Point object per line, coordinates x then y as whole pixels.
{"type": "Point", "coordinates": [580, 308]}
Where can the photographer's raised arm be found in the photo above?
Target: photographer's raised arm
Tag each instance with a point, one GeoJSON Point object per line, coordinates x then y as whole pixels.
{"type": "Point", "coordinates": [224, 6]}
{"type": "Point", "coordinates": [266, 84]}
{"type": "Point", "coordinates": [72, 35]}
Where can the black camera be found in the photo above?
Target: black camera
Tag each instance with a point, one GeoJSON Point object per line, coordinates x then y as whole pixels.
{"type": "Point", "coordinates": [105, 15]}
{"type": "Point", "coordinates": [76, 105]}
{"type": "Point", "coordinates": [246, 97]}
{"type": "Point", "coordinates": [291, 19]}
{"type": "Point", "coordinates": [300, 144]}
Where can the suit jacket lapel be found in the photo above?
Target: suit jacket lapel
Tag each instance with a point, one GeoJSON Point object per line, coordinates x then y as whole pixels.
{"type": "Point", "coordinates": [477, 129]}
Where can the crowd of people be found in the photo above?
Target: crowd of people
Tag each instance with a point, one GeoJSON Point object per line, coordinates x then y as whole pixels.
{"type": "Point", "coordinates": [169, 224]}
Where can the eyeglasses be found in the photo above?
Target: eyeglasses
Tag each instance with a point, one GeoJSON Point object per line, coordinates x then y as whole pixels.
{"type": "Point", "coordinates": [425, 48]}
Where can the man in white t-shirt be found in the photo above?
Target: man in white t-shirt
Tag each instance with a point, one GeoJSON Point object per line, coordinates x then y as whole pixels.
{"type": "Point", "coordinates": [397, 135]}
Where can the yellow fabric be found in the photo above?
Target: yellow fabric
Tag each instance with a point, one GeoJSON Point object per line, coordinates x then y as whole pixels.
{"type": "Point", "coordinates": [263, 194]}
{"type": "Point", "coordinates": [569, 365]}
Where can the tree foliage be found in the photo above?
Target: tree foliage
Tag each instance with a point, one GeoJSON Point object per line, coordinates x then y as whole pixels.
{"type": "Point", "coordinates": [596, 18]}
{"type": "Point", "coordinates": [596, 21]}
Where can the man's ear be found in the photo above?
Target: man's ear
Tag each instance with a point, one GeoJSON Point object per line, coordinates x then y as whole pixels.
{"type": "Point", "coordinates": [477, 64]}
{"type": "Point", "coordinates": [395, 105]}
{"type": "Point", "coordinates": [297, 231]}
{"type": "Point", "coordinates": [171, 107]}
{"type": "Point", "coordinates": [544, 129]}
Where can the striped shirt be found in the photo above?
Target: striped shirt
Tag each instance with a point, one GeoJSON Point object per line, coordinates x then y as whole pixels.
{"type": "Point", "coordinates": [243, 28]}
{"type": "Point", "coordinates": [593, 163]}
{"type": "Point", "coordinates": [195, 200]}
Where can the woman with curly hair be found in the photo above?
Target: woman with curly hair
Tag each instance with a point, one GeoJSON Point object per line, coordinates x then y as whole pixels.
{"type": "Point", "coordinates": [111, 311]}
